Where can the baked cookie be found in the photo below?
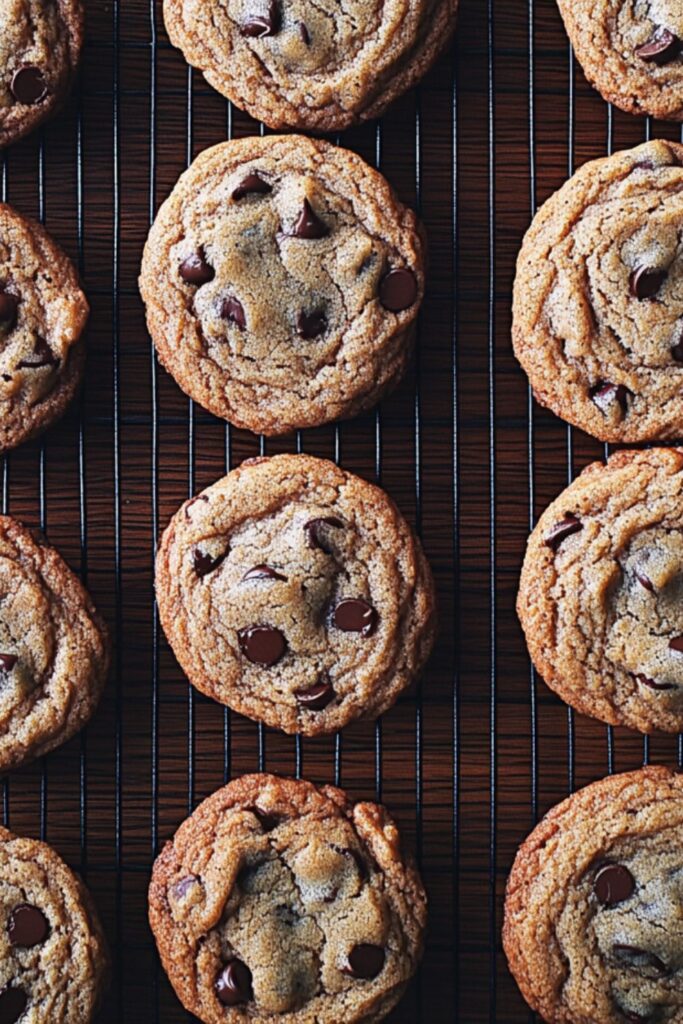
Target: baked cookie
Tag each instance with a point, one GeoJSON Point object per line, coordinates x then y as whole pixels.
{"type": "Point", "coordinates": [296, 593]}
{"type": "Point", "coordinates": [598, 298]}
{"type": "Point", "coordinates": [40, 46]}
{"type": "Point", "coordinates": [307, 65]}
{"type": "Point", "coordinates": [601, 593]}
{"type": "Point", "coordinates": [53, 954]}
{"type": "Point", "coordinates": [279, 901]}
{"type": "Point", "coordinates": [631, 51]}
{"type": "Point", "coordinates": [282, 279]}
{"type": "Point", "coordinates": [53, 648]}
{"type": "Point", "coordinates": [43, 313]}
{"type": "Point", "coordinates": [593, 905]}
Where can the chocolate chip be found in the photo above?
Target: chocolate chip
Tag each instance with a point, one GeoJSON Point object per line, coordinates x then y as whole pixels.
{"type": "Point", "coordinates": [676, 644]}
{"type": "Point", "coordinates": [646, 681]}
{"type": "Point", "coordinates": [251, 185]}
{"type": "Point", "coordinates": [267, 821]}
{"type": "Point", "coordinates": [233, 984]}
{"type": "Point", "coordinates": [233, 310]}
{"type": "Point", "coordinates": [309, 224]}
{"type": "Point", "coordinates": [263, 572]}
{"type": "Point", "coordinates": [263, 645]}
{"type": "Point", "coordinates": [13, 1002]}
{"type": "Point", "coordinates": [44, 356]}
{"type": "Point", "coordinates": [7, 662]}
{"type": "Point", "coordinates": [645, 282]}
{"type": "Point", "coordinates": [304, 33]}
{"type": "Point", "coordinates": [605, 395]}
{"type": "Point", "coordinates": [398, 290]}
{"type": "Point", "coordinates": [259, 25]}
{"type": "Point", "coordinates": [613, 884]}
{"type": "Point", "coordinates": [8, 309]}
{"type": "Point", "coordinates": [645, 581]}
{"type": "Point", "coordinates": [27, 926]}
{"type": "Point", "coordinates": [205, 563]}
{"type": "Point", "coordinates": [365, 961]}
{"type": "Point", "coordinates": [355, 616]}
{"type": "Point", "coordinates": [316, 533]}
{"type": "Point", "coordinates": [28, 84]}
{"type": "Point", "coordinates": [565, 528]}
{"type": "Point", "coordinates": [195, 269]}
{"type": "Point", "coordinates": [317, 698]}
{"type": "Point", "coordinates": [182, 887]}
{"type": "Point", "coordinates": [662, 48]}
{"type": "Point", "coordinates": [311, 325]}
{"type": "Point", "coordinates": [633, 956]}
{"type": "Point", "coordinates": [677, 350]}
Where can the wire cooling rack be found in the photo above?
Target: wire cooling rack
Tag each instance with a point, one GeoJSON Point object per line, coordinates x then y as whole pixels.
{"type": "Point", "coordinates": [470, 756]}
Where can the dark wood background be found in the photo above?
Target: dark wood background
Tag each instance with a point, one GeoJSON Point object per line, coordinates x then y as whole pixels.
{"type": "Point", "coordinates": [472, 755]}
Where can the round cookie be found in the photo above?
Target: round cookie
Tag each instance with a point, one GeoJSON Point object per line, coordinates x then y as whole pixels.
{"type": "Point", "coordinates": [631, 51]}
{"type": "Point", "coordinates": [316, 67]}
{"type": "Point", "coordinates": [54, 651]}
{"type": "Point", "coordinates": [598, 297]}
{"type": "Point", "coordinates": [43, 313]}
{"type": "Point", "coordinates": [279, 901]}
{"type": "Point", "coordinates": [40, 46]}
{"type": "Point", "coordinates": [282, 280]}
{"type": "Point", "coordinates": [53, 954]}
{"type": "Point", "coordinates": [601, 592]}
{"type": "Point", "coordinates": [593, 904]}
{"type": "Point", "coordinates": [296, 593]}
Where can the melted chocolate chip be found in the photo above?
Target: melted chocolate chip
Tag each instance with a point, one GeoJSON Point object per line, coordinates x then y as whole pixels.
{"type": "Point", "coordinates": [613, 884]}
{"type": "Point", "coordinates": [645, 282]}
{"type": "Point", "coordinates": [317, 698]}
{"type": "Point", "coordinates": [195, 269]}
{"type": "Point", "coordinates": [29, 85]}
{"type": "Point", "coordinates": [182, 887]}
{"type": "Point", "coordinates": [652, 684]}
{"type": "Point", "coordinates": [44, 356]}
{"type": "Point", "coordinates": [205, 563]}
{"type": "Point", "coordinates": [263, 572]}
{"type": "Point", "coordinates": [233, 984]}
{"type": "Point", "coordinates": [676, 644]}
{"type": "Point", "coordinates": [27, 926]}
{"type": "Point", "coordinates": [267, 821]}
{"type": "Point", "coordinates": [13, 1002]}
{"type": "Point", "coordinates": [677, 349]}
{"type": "Point", "coordinates": [8, 309]}
{"type": "Point", "coordinates": [365, 961]}
{"type": "Point", "coordinates": [662, 48]}
{"type": "Point", "coordinates": [262, 645]}
{"type": "Point", "coordinates": [565, 528]}
{"type": "Point", "coordinates": [309, 224]}
{"type": "Point", "coordinates": [606, 395]}
{"type": "Point", "coordinates": [233, 311]}
{"type": "Point", "coordinates": [645, 581]}
{"type": "Point", "coordinates": [251, 185]}
{"type": "Point", "coordinates": [311, 325]}
{"type": "Point", "coordinates": [316, 533]}
{"type": "Point", "coordinates": [355, 616]}
{"type": "Point", "coordinates": [7, 662]}
{"type": "Point", "coordinates": [641, 959]}
{"type": "Point", "coordinates": [398, 290]}
{"type": "Point", "coordinates": [304, 33]}
{"type": "Point", "coordinates": [257, 26]}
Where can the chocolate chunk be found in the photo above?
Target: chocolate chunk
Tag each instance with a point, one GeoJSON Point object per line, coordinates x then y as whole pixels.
{"type": "Point", "coordinates": [677, 351]}
{"type": "Point", "coordinates": [398, 290]}
{"type": "Point", "coordinates": [263, 572]}
{"type": "Point", "coordinates": [267, 821]}
{"type": "Point", "coordinates": [182, 887]}
{"type": "Point", "coordinates": [195, 270]}
{"type": "Point", "coordinates": [311, 325]}
{"type": "Point", "coordinates": [251, 185]}
{"type": "Point", "coordinates": [44, 356]}
{"type": "Point", "coordinates": [565, 528]}
{"type": "Point", "coordinates": [316, 532]}
{"type": "Point", "coordinates": [645, 282]}
{"type": "Point", "coordinates": [29, 85]}
{"type": "Point", "coordinates": [205, 563]}
{"type": "Point", "coordinates": [7, 662]}
{"type": "Point", "coordinates": [317, 698]}
{"type": "Point", "coordinates": [662, 48]}
{"type": "Point", "coordinates": [676, 644]}
{"type": "Point", "coordinates": [8, 309]}
{"type": "Point", "coordinates": [645, 581]}
{"type": "Point", "coordinates": [642, 959]}
{"type": "Point", "coordinates": [233, 984]}
{"type": "Point", "coordinates": [613, 884]}
{"type": "Point", "coordinates": [233, 310]}
{"type": "Point", "coordinates": [13, 1002]}
{"type": "Point", "coordinates": [355, 616]}
{"type": "Point", "coordinates": [365, 961]}
{"type": "Point", "coordinates": [646, 681]}
{"type": "Point", "coordinates": [606, 395]}
{"type": "Point", "coordinates": [304, 33]}
{"type": "Point", "coordinates": [309, 225]}
{"type": "Point", "coordinates": [259, 25]}
{"type": "Point", "coordinates": [27, 926]}
{"type": "Point", "coordinates": [263, 645]}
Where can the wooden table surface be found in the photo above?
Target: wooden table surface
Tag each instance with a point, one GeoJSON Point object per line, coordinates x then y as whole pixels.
{"type": "Point", "coordinates": [470, 756]}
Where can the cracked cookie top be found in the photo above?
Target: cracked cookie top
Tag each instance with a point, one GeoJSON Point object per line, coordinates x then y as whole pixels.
{"type": "Point", "coordinates": [311, 65]}
{"type": "Point", "coordinates": [277, 901]}
{"type": "Point", "coordinates": [598, 298]}
{"type": "Point", "coordinates": [631, 51]}
{"type": "Point", "coordinates": [53, 956]}
{"type": "Point", "coordinates": [296, 593]}
{"type": "Point", "coordinates": [53, 648]}
{"type": "Point", "coordinates": [593, 904]}
{"type": "Point", "coordinates": [282, 280]}
{"type": "Point", "coordinates": [601, 592]}
{"type": "Point", "coordinates": [40, 44]}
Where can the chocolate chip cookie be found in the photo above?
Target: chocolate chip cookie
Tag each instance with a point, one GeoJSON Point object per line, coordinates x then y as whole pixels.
{"type": "Point", "coordinates": [53, 956]}
{"type": "Point", "coordinates": [53, 648]}
{"type": "Point", "coordinates": [601, 593]}
{"type": "Point", "coordinates": [282, 280]}
{"type": "Point", "coordinates": [296, 593]}
{"type": "Point", "coordinates": [631, 51]}
{"type": "Point", "coordinates": [598, 298]}
{"type": "Point", "coordinates": [40, 45]}
{"type": "Point", "coordinates": [593, 905]}
{"type": "Point", "coordinates": [43, 313]}
{"type": "Point", "coordinates": [316, 67]}
{"type": "Point", "coordinates": [279, 901]}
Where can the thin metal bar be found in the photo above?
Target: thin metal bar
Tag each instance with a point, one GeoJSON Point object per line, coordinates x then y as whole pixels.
{"type": "Point", "coordinates": [570, 436]}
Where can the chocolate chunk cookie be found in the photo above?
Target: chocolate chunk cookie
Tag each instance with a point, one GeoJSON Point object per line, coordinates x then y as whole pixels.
{"type": "Point", "coordinates": [296, 593]}
{"type": "Point", "coordinates": [631, 51]}
{"type": "Point", "coordinates": [593, 907]}
{"type": "Point", "coordinates": [40, 45]}
{"type": "Point", "coordinates": [53, 648]}
{"type": "Point", "coordinates": [53, 956]}
{"type": "Point", "coordinates": [278, 901]}
{"type": "Point", "coordinates": [308, 65]}
{"type": "Point", "coordinates": [43, 313]}
{"type": "Point", "coordinates": [598, 299]}
{"type": "Point", "coordinates": [601, 594]}
{"type": "Point", "coordinates": [282, 280]}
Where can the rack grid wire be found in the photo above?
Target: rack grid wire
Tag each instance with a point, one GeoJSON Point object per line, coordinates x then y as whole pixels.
{"type": "Point", "coordinates": [479, 748]}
